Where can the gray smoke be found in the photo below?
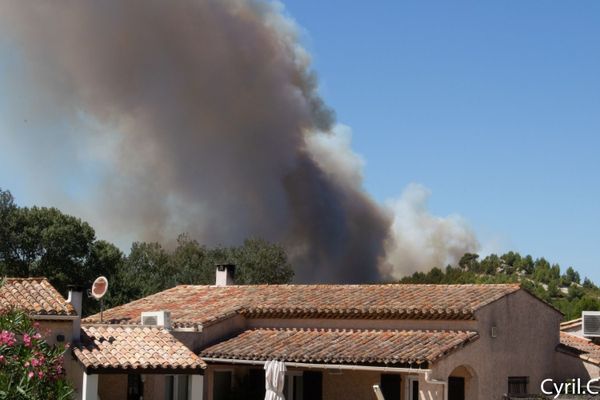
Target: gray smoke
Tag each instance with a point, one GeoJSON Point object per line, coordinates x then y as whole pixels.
{"type": "Point", "coordinates": [206, 115]}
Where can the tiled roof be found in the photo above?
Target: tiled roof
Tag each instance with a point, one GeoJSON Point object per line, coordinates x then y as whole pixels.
{"type": "Point", "coordinates": [197, 305]}
{"type": "Point", "coordinates": [580, 347]}
{"type": "Point", "coordinates": [358, 347]}
{"type": "Point", "coordinates": [142, 348]}
{"type": "Point", "coordinates": [36, 296]}
{"type": "Point", "coordinates": [574, 323]}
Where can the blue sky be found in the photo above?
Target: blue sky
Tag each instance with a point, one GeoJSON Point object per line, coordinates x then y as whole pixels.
{"type": "Point", "coordinates": [494, 106]}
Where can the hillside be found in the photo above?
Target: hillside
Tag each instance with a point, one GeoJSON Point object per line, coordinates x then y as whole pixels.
{"type": "Point", "coordinates": [566, 291]}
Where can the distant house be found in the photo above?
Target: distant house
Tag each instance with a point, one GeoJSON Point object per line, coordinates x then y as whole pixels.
{"type": "Point", "coordinates": [415, 341]}
{"type": "Point", "coordinates": [578, 356]}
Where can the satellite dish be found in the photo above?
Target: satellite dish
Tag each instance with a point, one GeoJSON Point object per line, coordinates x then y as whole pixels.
{"type": "Point", "coordinates": [99, 287]}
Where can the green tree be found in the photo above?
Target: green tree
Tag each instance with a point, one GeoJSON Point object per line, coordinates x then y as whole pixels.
{"type": "Point", "coordinates": [469, 262]}
{"type": "Point", "coordinates": [145, 271]}
{"type": "Point", "coordinates": [491, 264]}
{"type": "Point", "coordinates": [40, 241]}
{"type": "Point", "coordinates": [571, 276]}
{"type": "Point", "coordinates": [261, 262]}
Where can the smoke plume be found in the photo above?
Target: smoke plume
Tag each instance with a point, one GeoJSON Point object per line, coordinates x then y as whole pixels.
{"type": "Point", "coordinates": [206, 118]}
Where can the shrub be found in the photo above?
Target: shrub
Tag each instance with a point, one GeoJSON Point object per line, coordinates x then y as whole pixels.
{"type": "Point", "coordinates": [30, 368]}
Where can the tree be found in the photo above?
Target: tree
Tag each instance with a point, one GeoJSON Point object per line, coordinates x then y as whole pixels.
{"type": "Point", "coordinates": [144, 272]}
{"type": "Point", "coordinates": [491, 264]}
{"type": "Point", "coordinates": [41, 241]}
{"type": "Point", "coordinates": [571, 276]}
{"type": "Point", "coordinates": [30, 369]}
{"type": "Point", "coordinates": [261, 262]}
{"type": "Point", "coordinates": [469, 262]}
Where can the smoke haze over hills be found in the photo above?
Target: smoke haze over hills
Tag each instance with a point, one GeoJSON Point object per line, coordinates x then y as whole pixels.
{"type": "Point", "coordinates": [204, 117]}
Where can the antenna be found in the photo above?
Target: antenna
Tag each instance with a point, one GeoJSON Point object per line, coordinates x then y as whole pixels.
{"type": "Point", "coordinates": [99, 289]}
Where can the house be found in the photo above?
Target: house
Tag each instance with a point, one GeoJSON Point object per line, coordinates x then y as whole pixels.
{"type": "Point", "coordinates": [109, 352]}
{"type": "Point", "coordinates": [578, 356]}
{"type": "Point", "coordinates": [56, 315]}
{"type": "Point", "coordinates": [415, 341]}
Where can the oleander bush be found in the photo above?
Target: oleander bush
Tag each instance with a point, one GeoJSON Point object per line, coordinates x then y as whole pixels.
{"type": "Point", "coordinates": [30, 368]}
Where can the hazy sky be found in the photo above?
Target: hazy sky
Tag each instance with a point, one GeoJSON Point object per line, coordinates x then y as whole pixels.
{"type": "Point", "coordinates": [493, 106]}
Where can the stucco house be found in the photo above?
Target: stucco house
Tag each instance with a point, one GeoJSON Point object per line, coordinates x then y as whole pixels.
{"type": "Point", "coordinates": [111, 351]}
{"type": "Point", "coordinates": [425, 342]}
{"type": "Point", "coordinates": [415, 341]}
{"type": "Point", "coordinates": [579, 357]}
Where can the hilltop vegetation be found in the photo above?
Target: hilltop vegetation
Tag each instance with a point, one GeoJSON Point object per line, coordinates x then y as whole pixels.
{"type": "Point", "coordinates": [566, 291]}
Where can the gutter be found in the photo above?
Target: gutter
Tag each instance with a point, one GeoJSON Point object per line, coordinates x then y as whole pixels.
{"type": "Point", "coordinates": [51, 317]}
{"type": "Point", "coordinates": [322, 366]}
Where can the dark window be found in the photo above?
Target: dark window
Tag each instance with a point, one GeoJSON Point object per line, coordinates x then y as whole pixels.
{"type": "Point", "coordinates": [182, 387]}
{"type": "Point", "coordinates": [169, 383]}
{"type": "Point", "coordinates": [135, 387]}
{"type": "Point", "coordinates": [517, 384]}
{"type": "Point", "coordinates": [222, 385]}
{"type": "Point", "coordinates": [456, 388]}
{"type": "Point", "coordinates": [256, 385]}
{"type": "Point", "coordinates": [298, 387]}
{"type": "Point", "coordinates": [415, 390]}
{"type": "Point", "coordinates": [390, 386]}
{"type": "Point", "coordinates": [312, 385]}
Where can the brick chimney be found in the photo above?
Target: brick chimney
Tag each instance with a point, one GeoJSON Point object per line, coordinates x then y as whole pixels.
{"type": "Point", "coordinates": [76, 298]}
{"type": "Point", "coordinates": [225, 275]}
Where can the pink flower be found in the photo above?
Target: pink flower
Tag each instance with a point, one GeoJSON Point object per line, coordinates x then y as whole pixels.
{"type": "Point", "coordinates": [40, 374]}
{"type": "Point", "coordinates": [36, 362]}
{"type": "Point", "coordinates": [27, 340]}
{"type": "Point", "coordinates": [7, 338]}
{"type": "Point", "coordinates": [2, 359]}
{"type": "Point", "coordinates": [30, 374]}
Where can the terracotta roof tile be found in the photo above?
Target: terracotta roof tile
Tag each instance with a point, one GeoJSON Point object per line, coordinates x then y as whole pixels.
{"type": "Point", "coordinates": [580, 347]}
{"type": "Point", "coordinates": [197, 305]}
{"type": "Point", "coordinates": [144, 348]}
{"type": "Point", "coordinates": [574, 323]}
{"type": "Point", "coordinates": [360, 347]}
{"type": "Point", "coordinates": [36, 296]}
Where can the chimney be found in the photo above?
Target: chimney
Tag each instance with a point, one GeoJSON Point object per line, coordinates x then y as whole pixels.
{"type": "Point", "coordinates": [76, 298]}
{"type": "Point", "coordinates": [225, 274]}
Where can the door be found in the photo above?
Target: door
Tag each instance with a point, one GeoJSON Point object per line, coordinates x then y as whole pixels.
{"type": "Point", "coordinates": [390, 386]}
{"type": "Point", "coordinates": [135, 387]}
{"type": "Point", "coordinates": [456, 388]}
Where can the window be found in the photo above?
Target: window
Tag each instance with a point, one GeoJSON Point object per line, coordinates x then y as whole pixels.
{"type": "Point", "coordinates": [390, 386]}
{"type": "Point", "coordinates": [517, 384]}
{"type": "Point", "coordinates": [312, 385]}
{"type": "Point", "coordinates": [294, 386]}
{"type": "Point", "coordinates": [412, 388]}
{"type": "Point", "coordinates": [222, 385]}
{"type": "Point", "coordinates": [176, 387]}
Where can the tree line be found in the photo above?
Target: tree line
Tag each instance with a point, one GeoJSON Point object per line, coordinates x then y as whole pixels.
{"type": "Point", "coordinates": [564, 290]}
{"type": "Point", "coordinates": [43, 241]}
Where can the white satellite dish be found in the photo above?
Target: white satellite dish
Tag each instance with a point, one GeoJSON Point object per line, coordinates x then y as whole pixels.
{"type": "Point", "coordinates": [99, 287]}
